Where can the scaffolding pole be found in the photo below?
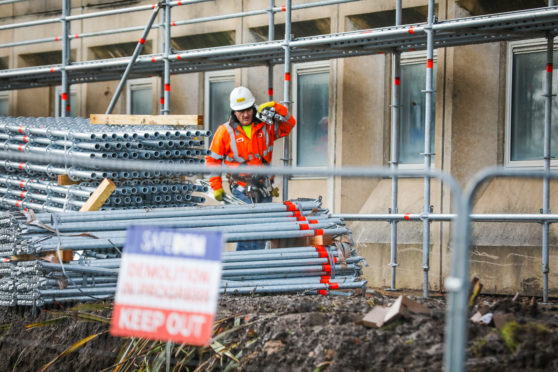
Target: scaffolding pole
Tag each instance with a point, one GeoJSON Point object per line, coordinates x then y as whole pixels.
{"type": "Point", "coordinates": [395, 120]}
{"type": "Point", "coordinates": [287, 93]}
{"type": "Point", "coordinates": [166, 52]}
{"type": "Point", "coordinates": [547, 158]}
{"type": "Point", "coordinates": [137, 51]}
{"type": "Point", "coordinates": [63, 100]}
{"type": "Point", "coordinates": [427, 140]}
{"type": "Point", "coordinates": [270, 37]}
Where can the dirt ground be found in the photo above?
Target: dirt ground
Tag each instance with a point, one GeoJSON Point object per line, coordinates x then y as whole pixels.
{"type": "Point", "coordinates": [289, 333]}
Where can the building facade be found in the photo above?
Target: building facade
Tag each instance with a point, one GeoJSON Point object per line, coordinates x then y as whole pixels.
{"type": "Point", "coordinates": [488, 111]}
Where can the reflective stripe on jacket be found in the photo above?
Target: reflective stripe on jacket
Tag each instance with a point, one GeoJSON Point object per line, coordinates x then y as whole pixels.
{"type": "Point", "coordinates": [231, 146]}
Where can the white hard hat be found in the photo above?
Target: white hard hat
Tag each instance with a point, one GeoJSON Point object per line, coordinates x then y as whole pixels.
{"type": "Point", "coordinates": [241, 99]}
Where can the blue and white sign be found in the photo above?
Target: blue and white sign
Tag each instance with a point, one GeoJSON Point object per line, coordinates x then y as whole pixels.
{"type": "Point", "coordinates": [168, 285]}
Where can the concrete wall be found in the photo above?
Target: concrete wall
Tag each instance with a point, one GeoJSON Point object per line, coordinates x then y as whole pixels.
{"type": "Point", "coordinates": [470, 128]}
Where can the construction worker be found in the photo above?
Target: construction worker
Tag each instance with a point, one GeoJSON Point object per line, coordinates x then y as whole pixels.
{"type": "Point", "coordinates": [245, 139]}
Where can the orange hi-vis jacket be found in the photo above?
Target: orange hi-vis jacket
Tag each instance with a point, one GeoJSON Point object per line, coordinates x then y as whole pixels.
{"type": "Point", "coordinates": [232, 147]}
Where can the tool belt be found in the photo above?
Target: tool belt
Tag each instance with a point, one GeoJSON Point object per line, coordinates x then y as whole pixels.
{"type": "Point", "coordinates": [257, 187]}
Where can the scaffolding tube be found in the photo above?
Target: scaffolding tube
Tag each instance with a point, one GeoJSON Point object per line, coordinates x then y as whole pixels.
{"type": "Point", "coordinates": [166, 52]}
{"type": "Point", "coordinates": [64, 101]}
{"type": "Point", "coordinates": [427, 209]}
{"type": "Point", "coordinates": [547, 158]}
{"type": "Point", "coordinates": [137, 51]}
{"type": "Point", "coordinates": [395, 120]}
{"type": "Point", "coordinates": [270, 37]}
{"type": "Point", "coordinates": [287, 93]}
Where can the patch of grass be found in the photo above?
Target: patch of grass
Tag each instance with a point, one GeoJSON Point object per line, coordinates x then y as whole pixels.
{"type": "Point", "coordinates": [477, 347]}
{"type": "Point", "coordinates": [512, 333]}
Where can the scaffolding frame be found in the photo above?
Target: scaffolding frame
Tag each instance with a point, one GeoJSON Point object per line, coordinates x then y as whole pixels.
{"type": "Point", "coordinates": [396, 39]}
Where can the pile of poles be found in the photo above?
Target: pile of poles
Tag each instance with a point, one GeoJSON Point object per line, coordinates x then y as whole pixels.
{"type": "Point", "coordinates": [98, 238]}
{"type": "Point", "coordinates": [31, 185]}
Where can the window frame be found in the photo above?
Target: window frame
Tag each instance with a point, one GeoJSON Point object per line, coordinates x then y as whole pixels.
{"type": "Point", "coordinates": [210, 77]}
{"type": "Point", "coordinates": [417, 58]}
{"type": "Point", "coordinates": [137, 84]}
{"type": "Point", "coordinates": [520, 47]}
{"type": "Point", "coordinates": [57, 104]}
{"type": "Point", "coordinates": [309, 68]}
{"type": "Point", "coordinates": [6, 95]}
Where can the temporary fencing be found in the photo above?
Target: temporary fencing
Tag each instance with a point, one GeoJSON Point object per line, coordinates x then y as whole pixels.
{"type": "Point", "coordinates": [100, 237]}
{"type": "Point", "coordinates": [76, 138]}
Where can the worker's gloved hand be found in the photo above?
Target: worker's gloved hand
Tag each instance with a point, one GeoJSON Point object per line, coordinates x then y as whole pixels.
{"type": "Point", "coordinates": [275, 192]}
{"type": "Point", "coordinates": [219, 194]}
{"type": "Point", "coordinates": [266, 105]}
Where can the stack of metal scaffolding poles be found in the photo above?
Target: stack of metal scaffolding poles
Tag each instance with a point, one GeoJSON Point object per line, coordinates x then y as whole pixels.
{"type": "Point", "coordinates": [427, 208]}
{"type": "Point", "coordinates": [106, 230]}
{"type": "Point", "coordinates": [481, 29]}
{"type": "Point", "coordinates": [313, 269]}
{"type": "Point", "coordinates": [74, 138]}
{"type": "Point", "coordinates": [394, 163]}
{"type": "Point", "coordinates": [308, 269]}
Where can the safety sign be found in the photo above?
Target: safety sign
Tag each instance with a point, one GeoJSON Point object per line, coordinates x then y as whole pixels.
{"type": "Point", "coordinates": [168, 285]}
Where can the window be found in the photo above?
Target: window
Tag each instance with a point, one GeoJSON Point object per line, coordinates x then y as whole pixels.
{"type": "Point", "coordinates": [413, 102]}
{"type": "Point", "coordinates": [311, 110]}
{"type": "Point", "coordinates": [525, 104]}
{"type": "Point", "coordinates": [58, 99]}
{"type": "Point", "coordinates": [4, 103]}
{"type": "Point", "coordinates": [218, 86]}
{"type": "Point", "coordinates": [140, 97]}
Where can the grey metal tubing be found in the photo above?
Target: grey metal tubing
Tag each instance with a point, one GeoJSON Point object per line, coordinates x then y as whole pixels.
{"type": "Point", "coordinates": [547, 155]}
{"type": "Point", "coordinates": [285, 270]}
{"type": "Point", "coordinates": [42, 197]}
{"type": "Point", "coordinates": [166, 52]}
{"type": "Point", "coordinates": [305, 206]}
{"type": "Point", "coordinates": [77, 268]}
{"type": "Point", "coordinates": [285, 281]}
{"type": "Point", "coordinates": [270, 37]}
{"type": "Point", "coordinates": [427, 141]}
{"type": "Point", "coordinates": [457, 283]}
{"type": "Point", "coordinates": [186, 222]}
{"type": "Point", "coordinates": [291, 288]}
{"type": "Point", "coordinates": [64, 99]}
{"type": "Point", "coordinates": [46, 186]}
{"type": "Point", "coordinates": [263, 252]}
{"type": "Point", "coordinates": [77, 291]}
{"type": "Point", "coordinates": [135, 55]}
{"type": "Point", "coordinates": [394, 140]}
{"type": "Point", "coordinates": [287, 92]}
{"type": "Point", "coordinates": [264, 257]}
{"type": "Point", "coordinates": [485, 217]}
{"type": "Point", "coordinates": [284, 263]}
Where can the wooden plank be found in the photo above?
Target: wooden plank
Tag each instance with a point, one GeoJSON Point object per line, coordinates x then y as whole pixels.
{"type": "Point", "coordinates": [99, 196]}
{"type": "Point", "coordinates": [146, 119]}
{"type": "Point", "coordinates": [65, 180]}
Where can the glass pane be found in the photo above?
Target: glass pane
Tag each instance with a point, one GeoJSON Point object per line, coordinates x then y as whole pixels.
{"type": "Point", "coordinates": [4, 106]}
{"type": "Point", "coordinates": [219, 110]}
{"type": "Point", "coordinates": [141, 101]}
{"type": "Point", "coordinates": [413, 102]}
{"type": "Point", "coordinates": [527, 113]}
{"type": "Point", "coordinates": [312, 121]}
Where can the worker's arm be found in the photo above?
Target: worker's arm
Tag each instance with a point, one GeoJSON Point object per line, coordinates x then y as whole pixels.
{"type": "Point", "coordinates": [216, 155]}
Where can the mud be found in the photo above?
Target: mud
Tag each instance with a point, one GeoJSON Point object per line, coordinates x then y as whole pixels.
{"type": "Point", "coordinates": [293, 333]}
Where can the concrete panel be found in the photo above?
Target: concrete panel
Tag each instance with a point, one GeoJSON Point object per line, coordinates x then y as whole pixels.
{"type": "Point", "coordinates": [509, 270]}
{"type": "Point", "coordinates": [35, 102]}
{"type": "Point", "coordinates": [476, 119]}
